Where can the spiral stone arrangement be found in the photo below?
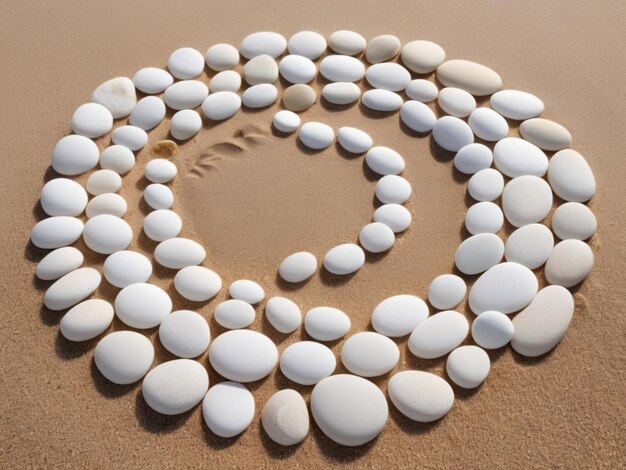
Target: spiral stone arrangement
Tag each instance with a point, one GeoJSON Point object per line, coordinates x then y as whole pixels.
{"type": "Point", "coordinates": [512, 178]}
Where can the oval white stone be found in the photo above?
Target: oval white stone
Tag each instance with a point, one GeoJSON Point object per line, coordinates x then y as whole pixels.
{"type": "Point", "coordinates": [130, 136]}
{"type": "Point", "coordinates": [221, 57]}
{"type": "Point", "coordinates": [63, 196]}
{"type": "Point", "coordinates": [438, 334]}
{"type": "Point", "coordinates": [117, 158]}
{"type": "Point", "coordinates": [148, 113]}
{"type": "Point", "coordinates": [422, 90]}
{"type": "Point", "coordinates": [382, 48]}
{"type": "Point", "coordinates": [234, 314]}
{"type": "Point", "coordinates": [74, 154]}
{"type": "Point", "coordinates": [422, 56]}
{"type": "Point", "coordinates": [197, 283]}
{"type": "Point", "coordinates": [529, 245]}
{"type": "Point", "coordinates": [124, 357]}
{"type": "Point", "coordinates": [228, 80]}
{"type": "Point", "coordinates": [185, 124]}
{"type": "Point", "coordinates": [376, 237]}
{"type": "Point", "coordinates": [286, 121]}
{"type": "Point", "coordinates": [384, 161]}
{"type": "Point", "coordinates": [243, 355]}
{"type": "Point", "coordinates": [341, 93]}
{"type": "Point", "coordinates": [571, 177]}
{"type": "Point", "coordinates": [187, 94]}
{"type": "Point", "coordinates": [185, 63]}
{"type": "Point", "coordinates": [177, 253]}
{"type": "Point", "coordinates": [307, 43]}
{"type": "Point", "coordinates": [162, 224]}
{"type": "Point", "coordinates": [451, 133]}
{"type": "Point", "coordinates": [285, 418]}
{"type": "Point", "coordinates": [446, 291]}
{"type": "Point", "coordinates": [484, 217]}
{"type": "Point", "coordinates": [297, 69]}
{"type": "Point", "coordinates": [468, 366]}
{"type": "Point", "coordinates": [298, 267]}
{"type": "Point", "coordinates": [107, 234]}
{"type": "Point", "coordinates": [369, 354]}
{"type": "Point", "coordinates": [124, 268]}
{"type": "Point", "coordinates": [492, 330]}
{"type": "Point", "coordinates": [261, 69]}
{"type": "Point", "coordinates": [515, 104]}
{"type": "Point", "coordinates": [526, 200]}
{"type": "Point", "coordinates": [103, 181]}
{"type": "Point", "coordinates": [456, 102]}
{"type": "Point", "coordinates": [246, 290]}
{"type": "Point", "coordinates": [393, 189]}
{"type": "Point", "coordinates": [326, 323]}
{"type": "Point", "coordinates": [396, 217]}
{"type": "Point", "coordinates": [344, 259]}
{"type": "Point", "coordinates": [354, 140]}
{"type": "Point", "coordinates": [221, 105]}
{"type": "Point", "coordinates": [92, 120]}
{"type": "Point", "coordinates": [72, 288]}
{"type": "Point", "coordinates": [307, 362]}
{"type": "Point", "coordinates": [516, 157]}
{"type": "Point", "coordinates": [316, 135]}
{"type": "Point", "coordinates": [388, 76]}
{"type": "Point", "coordinates": [420, 396]}
{"type": "Point", "coordinates": [259, 96]}
{"type": "Point", "coordinates": [545, 134]}
{"type": "Point", "coordinates": [470, 76]}
{"type": "Point", "coordinates": [382, 100]}
{"type": "Point", "coordinates": [569, 263]}
{"type": "Point", "coordinates": [574, 220]}
{"type": "Point", "coordinates": [55, 232]}
{"type": "Point", "coordinates": [347, 42]}
{"type": "Point", "coordinates": [185, 334]}
{"type": "Point", "coordinates": [158, 196]}
{"type": "Point", "coordinates": [488, 125]}
{"type": "Point", "coordinates": [399, 315]}
{"type": "Point", "coordinates": [264, 42]}
{"type": "Point", "coordinates": [342, 68]}
{"type": "Point", "coordinates": [117, 95]}
{"type": "Point", "coordinates": [58, 263]}
{"type": "Point", "coordinates": [142, 305]}
{"type": "Point", "coordinates": [86, 320]}
{"type": "Point", "coordinates": [228, 408]}
{"type": "Point", "coordinates": [283, 314]}
{"type": "Point", "coordinates": [486, 185]}
{"type": "Point", "coordinates": [152, 80]}
{"type": "Point", "coordinates": [108, 203]}
{"type": "Point", "coordinates": [417, 116]}
{"type": "Point", "coordinates": [507, 288]}
{"type": "Point", "coordinates": [472, 158]}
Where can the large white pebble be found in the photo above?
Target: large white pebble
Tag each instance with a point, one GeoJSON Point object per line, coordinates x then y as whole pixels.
{"type": "Point", "coordinates": [529, 245]}
{"type": "Point", "coordinates": [488, 125]}
{"type": "Point", "coordinates": [174, 387]}
{"type": "Point", "coordinates": [283, 314]}
{"type": "Point", "coordinates": [381, 100]}
{"type": "Point", "coordinates": [107, 203]}
{"type": "Point", "coordinates": [63, 196]}
{"type": "Point", "coordinates": [285, 418]}
{"type": "Point", "coordinates": [388, 76]}
{"type": "Point", "coordinates": [382, 48]}
{"type": "Point", "coordinates": [344, 259]}
{"type": "Point", "coordinates": [341, 93]}
{"type": "Point", "coordinates": [342, 68]}
{"type": "Point", "coordinates": [516, 157]}
{"type": "Point", "coordinates": [117, 158]}
{"type": "Point", "coordinates": [384, 161]}
{"type": "Point", "coordinates": [350, 410]}
{"type": "Point", "coordinates": [59, 262]}
{"type": "Point", "coordinates": [286, 121]}
{"type": "Point", "coordinates": [148, 113]}
{"type": "Point", "coordinates": [103, 181]}
{"type": "Point", "coordinates": [86, 320]}
{"type": "Point", "coordinates": [396, 217]}
{"type": "Point", "coordinates": [486, 185]}
{"type": "Point", "coordinates": [160, 170]}
{"type": "Point", "coordinates": [124, 357]}
{"type": "Point", "coordinates": [197, 283]}
{"type": "Point", "coordinates": [158, 196]}
{"type": "Point", "coordinates": [72, 288]}
{"type": "Point", "coordinates": [55, 232]}
{"type": "Point", "coordinates": [515, 104]}
{"type": "Point", "coordinates": [264, 42]}
{"type": "Point", "coordinates": [393, 189]}
{"type": "Point", "coordinates": [130, 136]}
{"type": "Point", "coordinates": [228, 409]}
{"type": "Point", "coordinates": [456, 102]}
{"type": "Point", "coordinates": [142, 305]}
{"type": "Point", "coordinates": [297, 69]}
{"type": "Point", "coordinates": [185, 63]}
{"type": "Point", "coordinates": [470, 76]}
{"type": "Point", "coordinates": [446, 291]}
{"type": "Point", "coordinates": [243, 355]}
{"type": "Point", "coordinates": [451, 133]}
{"type": "Point", "coordinates": [369, 354]}
{"type": "Point", "coordinates": [185, 334]}
{"type": "Point", "coordinates": [228, 80]}
{"type": "Point", "coordinates": [420, 396]}
{"type": "Point", "coordinates": [307, 43]}
{"type": "Point", "coordinates": [298, 267]}
{"type": "Point", "coordinates": [185, 124]}
{"type": "Point", "coordinates": [107, 234]}
{"type": "Point", "coordinates": [472, 158]}
{"type": "Point", "coordinates": [507, 288]}
{"type": "Point", "coordinates": [438, 334]}
{"type": "Point", "coordinates": [468, 366]}
{"type": "Point", "coordinates": [117, 95]}
{"type": "Point", "coordinates": [376, 237]}
{"type": "Point", "coordinates": [354, 140]}
{"type": "Point", "coordinates": [124, 268]}
{"type": "Point", "coordinates": [484, 217]}
{"type": "Point", "coordinates": [221, 105]}
{"type": "Point", "coordinates": [259, 96]}
{"type": "Point", "coordinates": [162, 224]}
{"type": "Point", "coordinates": [571, 177]}
{"type": "Point", "coordinates": [152, 80]}
{"type": "Point", "coordinates": [221, 57]}
{"type": "Point", "coordinates": [574, 220]}
{"type": "Point", "coordinates": [347, 42]}
{"type": "Point", "coordinates": [187, 94]}
{"type": "Point", "coordinates": [545, 134]}
{"type": "Point", "coordinates": [422, 56]}
{"type": "Point", "coordinates": [526, 200]}
{"type": "Point", "coordinates": [177, 253]}
{"type": "Point", "coordinates": [492, 330]}
{"type": "Point", "coordinates": [246, 290]}
{"type": "Point", "coordinates": [326, 323]}
{"type": "Point", "coordinates": [569, 263]}
{"type": "Point", "coordinates": [422, 90]}
{"type": "Point", "coordinates": [399, 315]}
{"type": "Point", "coordinates": [261, 69]}
{"type": "Point", "coordinates": [417, 116]}
{"type": "Point", "coordinates": [234, 314]}
{"type": "Point", "coordinates": [92, 120]}
{"type": "Point", "coordinates": [307, 362]}
{"type": "Point", "coordinates": [74, 154]}
{"type": "Point", "coordinates": [316, 135]}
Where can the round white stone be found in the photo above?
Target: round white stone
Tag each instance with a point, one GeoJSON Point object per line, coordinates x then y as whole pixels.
{"type": "Point", "coordinates": [185, 63]}
{"type": "Point", "coordinates": [221, 105]}
{"type": "Point", "coordinates": [470, 76]}
{"type": "Point", "coordinates": [376, 237]}
{"type": "Point", "coordinates": [228, 409]}
{"type": "Point", "coordinates": [422, 90]}
{"type": "Point", "coordinates": [117, 95]}
{"type": "Point", "coordinates": [221, 57]}
{"type": "Point", "coordinates": [264, 42]}
{"type": "Point", "coordinates": [316, 135]}
{"type": "Point", "coordinates": [124, 268]}
{"type": "Point", "coordinates": [108, 203]}
{"type": "Point", "coordinates": [234, 314]}
{"type": "Point", "coordinates": [456, 102]}
{"type": "Point", "coordinates": [148, 113]}
{"type": "Point", "coordinates": [142, 305]}
{"type": "Point", "coordinates": [308, 44]}
{"type": "Point", "coordinates": [347, 42]}
{"type": "Point", "coordinates": [515, 104]}
{"type": "Point", "coordinates": [526, 200]}
{"type": "Point", "coordinates": [326, 323]}
{"type": "Point", "coordinates": [62, 196]}
{"type": "Point", "coordinates": [486, 185]}
{"type": "Point", "coordinates": [298, 267]}
{"type": "Point", "coordinates": [422, 56]}
{"type": "Point", "coordinates": [342, 68]}
{"type": "Point", "coordinates": [393, 189]}
{"type": "Point", "coordinates": [197, 283]}
{"type": "Point", "coordinates": [382, 48]}
{"type": "Point", "coordinates": [160, 170]}
{"type": "Point", "coordinates": [152, 80]}
{"type": "Point", "coordinates": [285, 418]}
{"type": "Point", "coordinates": [72, 288]}
{"type": "Point", "coordinates": [261, 69]}
{"type": "Point", "coordinates": [516, 157]}
{"type": "Point", "coordinates": [506, 288]}
{"type": "Point", "coordinates": [545, 134]}
{"type": "Point", "coordinates": [492, 330]}
{"type": "Point", "coordinates": [468, 366]}
{"type": "Point", "coordinates": [307, 362]}
{"type": "Point", "coordinates": [396, 217]}
{"type": "Point", "coordinates": [103, 181]}
{"type": "Point", "coordinates": [187, 94]}
{"type": "Point", "coordinates": [446, 291]}
{"type": "Point", "coordinates": [259, 96]}
{"type": "Point", "coordinates": [228, 80]}
{"type": "Point", "coordinates": [297, 69]}
{"type": "Point", "coordinates": [107, 234]}
{"type": "Point", "coordinates": [341, 93]}
{"type": "Point", "coordinates": [574, 220]}
{"type": "Point", "coordinates": [162, 224]}
{"type": "Point", "coordinates": [58, 263]}
{"type": "Point", "coordinates": [569, 263]}
{"type": "Point", "coordinates": [399, 315]}
{"type": "Point", "coordinates": [86, 320]}
{"type": "Point", "coordinates": [158, 196]}
{"type": "Point", "coordinates": [354, 140]}
{"type": "Point", "coordinates": [529, 245]}
{"type": "Point", "coordinates": [185, 124]}
{"type": "Point", "coordinates": [420, 396]}
{"type": "Point", "coordinates": [381, 100]}
{"type": "Point", "coordinates": [417, 116]}
{"type": "Point", "coordinates": [185, 334]}
{"type": "Point", "coordinates": [74, 154]}
{"type": "Point", "coordinates": [92, 120]}
{"type": "Point", "coordinates": [384, 161]}
{"type": "Point", "coordinates": [246, 290]}
{"type": "Point", "coordinates": [438, 334]}
{"type": "Point", "coordinates": [488, 125]}
{"type": "Point", "coordinates": [286, 121]}
{"type": "Point", "coordinates": [243, 355]}
{"type": "Point", "coordinates": [388, 76]}
{"type": "Point", "coordinates": [369, 354]}
{"type": "Point", "coordinates": [174, 387]}
{"type": "Point", "coordinates": [124, 357]}
{"type": "Point", "coordinates": [472, 158]}
{"type": "Point", "coordinates": [178, 253]}
{"type": "Point", "coordinates": [55, 232]}
{"type": "Point", "coordinates": [451, 133]}
{"type": "Point", "coordinates": [283, 314]}
{"type": "Point", "coordinates": [571, 177]}
{"type": "Point", "coordinates": [344, 259]}
{"type": "Point", "coordinates": [484, 217]}
{"type": "Point", "coordinates": [117, 158]}
{"type": "Point", "coordinates": [130, 136]}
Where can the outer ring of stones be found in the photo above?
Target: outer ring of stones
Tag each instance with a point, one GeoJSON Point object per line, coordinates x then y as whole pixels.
{"type": "Point", "coordinates": [569, 177]}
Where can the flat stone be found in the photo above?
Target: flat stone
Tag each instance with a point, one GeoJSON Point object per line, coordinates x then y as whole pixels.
{"type": "Point", "coordinates": [177, 253]}
{"type": "Point", "coordinates": [342, 68]}
{"type": "Point", "coordinates": [484, 217]}
{"type": "Point", "coordinates": [344, 259]}
{"type": "Point", "coordinates": [117, 158]}
{"type": "Point", "coordinates": [420, 396]}
{"type": "Point", "coordinates": [263, 43]}
{"type": "Point", "coordinates": [299, 97]}
{"type": "Point", "coordinates": [452, 133]}
{"type": "Point", "coordinates": [486, 185]}
{"type": "Point", "coordinates": [376, 237]}
{"type": "Point", "coordinates": [388, 76]}
{"type": "Point", "coordinates": [286, 121]}
{"type": "Point", "coordinates": [71, 288]}
{"type": "Point", "coordinates": [384, 161]}
{"type": "Point", "coordinates": [260, 69]}
{"type": "Point", "coordinates": [326, 323]}
{"type": "Point", "coordinates": [186, 94]}
{"type": "Point", "coordinates": [148, 113]}
{"type": "Point", "coordinates": [228, 409]}
{"type": "Point", "coordinates": [456, 102]}
{"type": "Point", "coordinates": [234, 314]}
{"type": "Point", "coordinates": [399, 315]}
{"type": "Point", "coordinates": [470, 76]}
{"type": "Point", "coordinates": [488, 125]}
{"type": "Point", "coordinates": [308, 44]}
{"type": "Point", "coordinates": [92, 120]}
{"type": "Point", "coordinates": [341, 93]}
{"type": "Point", "coordinates": [285, 418]}
{"type": "Point", "coordinates": [417, 116]}
{"type": "Point", "coordinates": [307, 362]}
{"type": "Point", "coordinates": [571, 177]}
{"type": "Point", "coordinates": [446, 291]}
{"type": "Point", "coordinates": [117, 95]}
{"type": "Point", "coordinates": [108, 203]}
{"type": "Point", "coordinates": [422, 90]}
{"type": "Point", "coordinates": [124, 268]}
{"type": "Point", "coordinates": [107, 234]}
{"type": "Point", "coordinates": [58, 263]}
{"type": "Point", "coordinates": [472, 158]}
{"type": "Point", "coordinates": [316, 135]}
{"type": "Point", "coordinates": [142, 305]}
{"type": "Point", "coordinates": [298, 267]}
{"type": "Point", "coordinates": [438, 334]}
{"type": "Point", "coordinates": [186, 63]}
{"type": "Point", "coordinates": [398, 218]}
{"type": "Point", "coordinates": [86, 320]}
{"type": "Point", "coordinates": [574, 220]}
{"type": "Point", "coordinates": [468, 366]}
{"type": "Point", "coordinates": [185, 334]}
{"type": "Point", "coordinates": [347, 42]}
{"type": "Point", "coordinates": [506, 288]}
{"type": "Point", "coordinates": [478, 253]}
{"type": "Point", "coordinates": [354, 140]}
{"type": "Point", "coordinates": [74, 154]}
{"type": "Point", "coordinates": [228, 80]}
{"type": "Point", "coordinates": [422, 56]}
{"type": "Point", "coordinates": [163, 148]}
{"type": "Point", "coordinates": [221, 105]}
{"type": "Point", "coordinates": [297, 69]}
{"type": "Point", "coordinates": [160, 170]}
{"type": "Point", "coordinates": [185, 124]}
{"type": "Point", "coordinates": [546, 134]}
{"type": "Point", "coordinates": [158, 196]}
{"type": "Point", "coordinates": [382, 48]}
{"type": "Point", "coordinates": [243, 355]}
{"type": "Point", "coordinates": [259, 96]}
{"type": "Point", "coordinates": [382, 100]}
{"type": "Point", "coordinates": [55, 232]}
{"type": "Point", "coordinates": [130, 136]}
{"type": "Point", "coordinates": [515, 104]}
{"type": "Point", "coordinates": [283, 314]}
{"type": "Point", "coordinates": [221, 57]}
{"type": "Point", "coordinates": [197, 283]}
{"type": "Point", "coordinates": [103, 181]}
{"type": "Point", "coordinates": [569, 263]}
{"type": "Point", "coordinates": [526, 200]}
{"type": "Point", "coordinates": [529, 245]}
{"type": "Point", "coordinates": [516, 157]}
{"type": "Point", "coordinates": [393, 189]}
{"type": "Point", "coordinates": [152, 80]}
{"type": "Point", "coordinates": [63, 196]}
{"type": "Point", "coordinates": [369, 354]}
{"type": "Point", "coordinates": [246, 290]}
{"type": "Point", "coordinates": [124, 357]}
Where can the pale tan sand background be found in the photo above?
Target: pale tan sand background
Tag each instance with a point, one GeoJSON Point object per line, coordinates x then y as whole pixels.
{"type": "Point", "coordinates": [254, 207]}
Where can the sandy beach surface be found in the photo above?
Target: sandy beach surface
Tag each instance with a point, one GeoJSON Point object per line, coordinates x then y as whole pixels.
{"type": "Point", "coordinates": [264, 197]}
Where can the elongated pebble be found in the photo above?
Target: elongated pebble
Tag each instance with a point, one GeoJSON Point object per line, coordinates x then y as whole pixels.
{"type": "Point", "coordinates": [344, 259]}
{"type": "Point", "coordinates": [569, 263]}
{"type": "Point", "coordinates": [92, 120]}
{"type": "Point", "coordinates": [316, 135]}
{"type": "Point", "coordinates": [286, 121]}
{"type": "Point", "coordinates": [55, 232]}
{"type": "Point", "coordinates": [384, 161]}
{"type": "Point", "coordinates": [264, 42]}
{"type": "Point", "coordinates": [526, 200]}
{"type": "Point", "coordinates": [103, 181]}
{"type": "Point", "coordinates": [488, 125]}
{"type": "Point", "coordinates": [470, 76]}
{"type": "Point", "coordinates": [376, 237]}
{"type": "Point", "coordinates": [228, 408]}
{"type": "Point", "coordinates": [382, 48]}
{"type": "Point", "coordinates": [516, 157]}
{"type": "Point", "coordinates": [124, 357]}
{"type": "Point", "coordinates": [177, 253]}
{"type": "Point", "coordinates": [417, 116]}
{"type": "Point", "coordinates": [283, 314]}
{"type": "Point", "coordinates": [243, 355]}
{"type": "Point", "coordinates": [347, 42]}
{"type": "Point", "coordinates": [72, 288]}
{"type": "Point", "coordinates": [468, 366]}
{"type": "Point", "coordinates": [420, 396]}
{"type": "Point", "coordinates": [259, 96]}
{"type": "Point", "coordinates": [299, 97]}
{"type": "Point", "coordinates": [342, 68]}
{"type": "Point", "coordinates": [446, 291]}
{"type": "Point", "coordinates": [399, 315]}
{"type": "Point", "coordinates": [545, 134]}
{"type": "Point", "coordinates": [185, 124]}
{"type": "Point", "coordinates": [130, 136]}
{"type": "Point", "coordinates": [571, 177]}
{"type": "Point", "coordinates": [393, 189]}
{"type": "Point", "coordinates": [160, 170]}
{"type": "Point", "coordinates": [86, 320]}
{"type": "Point", "coordinates": [422, 90]}
{"type": "Point", "coordinates": [307, 362]}
{"type": "Point", "coordinates": [529, 245]}
{"type": "Point", "coordinates": [297, 69]}
{"type": "Point", "coordinates": [58, 263]}
{"type": "Point", "coordinates": [452, 133]}
{"type": "Point", "coordinates": [574, 220]}
{"type": "Point", "coordinates": [456, 102]}
{"type": "Point", "coordinates": [308, 44]}
{"type": "Point", "coordinates": [186, 94]}
{"type": "Point", "coordinates": [492, 330]}
{"type": "Point", "coordinates": [341, 93]}
{"type": "Point", "coordinates": [107, 234]}
{"type": "Point", "coordinates": [63, 197]}
{"type": "Point", "coordinates": [228, 80]}
{"type": "Point", "coordinates": [246, 290]}
{"type": "Point", "coordinates": [197, 283]}
{"type": "Point", "coordinates": [472, 158]}
{"type": "Point", "coordinates": [381, 100]}
{"type": "Point", "coordinates": [369, 354]}
{"type": "Point", "coordinates": [326, 323]}
{"type": "Point", "coordinates": [422, 56]}
{"type": "Point", "coordinates": [152, 80]}
{"type": "Point", "coordinates": [484, 217]}
{"type": "Point", "coordinates": [117, 95]}
{"type": "Point", "coordinates": [506, 288]}
{"type": "Point", "coordinates": [285, 418]}
{"type": "Point", "coordinates": [186, 63]}
{"type": "Point", "coordinates": [395, 216]}
{"type": "Point", "coordinates": [124, 268]}
{"type": "Point", "coordinates": [158, 196]}
{"type": "Point", "coordinates": [221, 105]}
{"type": "Point", "coordinates": [354, 140]}
{"type": "Point", "coordinates": [221, 57]}
{"type": "Point", "coordinates": [486, 185]}
{"type": "Point", "coordinates": [438, 334]}
{"type": "Point", "coordinates": [117, 158]}
{"type": "Point", "coordinates": [515, 104]}
{"type": "Point", "coordinates": [142, 305]}
{"type": "Point", "coordinates": [148, 113]}
{"type": "Point", "coordinates": [185, 334]}
{"type": "Point", "coordinates": [74, 154]}
{"type": "Point", "coordinates": [234, 314]}
{"type": "Point", "coordinates": [298, 267]}
{"type": "Point", "coordinates": [388, 76]}
{"type": "Point", "coordinates": [260, 69]}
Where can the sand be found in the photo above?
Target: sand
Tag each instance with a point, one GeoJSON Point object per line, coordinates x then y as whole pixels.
{"type": "Point", "coordinates": [262, 197]}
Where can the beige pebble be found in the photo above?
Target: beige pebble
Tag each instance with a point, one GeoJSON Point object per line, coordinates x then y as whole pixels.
{"type": "Point", "coordinates": [285, 418]}
{"type": "Point", "coordinates": [382, 48]}
{"type": "Point", "coordinates": [422, 56]}
{"type": "Point", "coordinates": [569, 263]}
{"type": "Point", "coordinates": [261, 69]}
{"type": "Point", "coordinates": [546, 134]}
{"type": "Point", "coordinates": [469, 76]}
{"type": "Point", "coordinates": [164, 148]}
{"type": "Point", "coordinates": [299, 97]}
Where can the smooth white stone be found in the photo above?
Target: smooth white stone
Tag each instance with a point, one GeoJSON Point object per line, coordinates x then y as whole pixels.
{"type": "Point", "coordinates": [107, 234]}
{"type": "Point", "coordinates": [384, 161]}
{"type": "Point", "coordinates": [393, 189]}
{"type": "Point", "coordinates": [326, 323]}
{"type": "Point", "coordinates": [515, 104]}
{"type": "Point", "coordinates": [382, 100]}
{"type": "Point", "coordinates": [307, 362]}
{"type": "Point", "coordinates": [264, 42]}
{"type": "Point", "coordinates": [545, 134]}
{"type": "Point", "coordinates": [185, 63]}
{"type": "Point", "coordinates": [316, 135]}
{"type": "Point", "coordinates": [420, 396]}
{"type": "Point", "coordinates": [299, 97]}
{"type": "Point", "coordinates": [174, 387]}
{"type": "Point", "coordinates": [63, 196]}
{"type": "Point", "coordinates": [152, 80]}
{"type": "Point", "coordinates": [574, 220]}
{"type": "Point", "coordinates": [243, 355]}
{"type": "Point", "coordinates": [142, 305]}
{"type": "Point", "coordinates": [526, 200]}
{"type": "Point", "coordinates": [124, 268]}
{"type": "Point", "coordinates": [541, 325]}
{"type": "Point", "coordinates": [117, 158]}
{"type": "Point", "coordinates": [297, 69]}
{"type": "Point", "coordinates": [492, 330]}
{"type": "Point", "coordinates": [529, 245]}
{"type": "Point", "coordinates": [286, 121]}
{"type": "Point", "coordinates": [422, 56]}
{"type": "Point", "coordinates": [148, 113]}
{"type": "Point", "coordinates": [376, 237]}
{"type": "Point", "coordinates": [158, 196]}
{"type": "Point", "coordinates": [382, 48]}
{"type": "Point", "coordinates": [506, 288]}
{"type": "Point", "coordinates": [369, 354]}
{"type": "Point", "coordinates": [185, 124]}
{"type": "Point", "coordinates": [350, 410]}
{"type": "Point", "coordinates": [162, 224]}
{"type": "Point", "coordinates": [344, 259]}
{"type": "Point", "coordinates": [571, 177]}
{"type": "Point", "coordinates": [103, 181]}
{"type": "Point", "coordinates": [228, 409]}
{"type": "Point", "coordinates": [354, 140]}
{"type": "Point", "coordinates": [417, 116]}
{"type": "Point", "coordinates": [197, 283]}
{"type": "Point", "coordinates": [452, 134]}
{"type": "Point", "coordinates": [74, 154]}
{"type": "Point", "coordinates": [221, 105]}
{"type": "Point", "coordinates": [438, 334]}
{"type": "Point", "coordinates": [342, 68]}
{"type": "Point", "coordinates": [285, 418]}
{"type": "Point", "coordinates": [283, 314]}
{"type": "Point", "coordinates": [234, 314]}
{"type": "Point", "coordinates": [117, 95]}
{"type": "Point", "coordinates": [55, 232]}
{"type": "Point", "coordinates": [58, 263]}
{"type": "Point", "coordinates": [422, 90]}
{"type": "Point", "coordinates": [456, 102]}
{"type": "Point", "coordinates": [472, 158]}
{"type": "Point", "coordinates": [185, 334]}
{"type": "Point", "coordinates": [347, 42]}
{"type": "Point", "coordinates": [468, 366]}
{"type": "Point", "coordinates": [178, 253]}
{"type": "Point", "coordinates": [124, 357]}
{"type": "Point", "coordinates": [130, 136]}
{"type": "Point", "coordinates": [187, 94]}
{"type": "Point", "coordinates": [72, 288]}
{"type": "Point", "coordinates": [399, 315]}
{"type": "Point", "coordinates": [488, 125]}
{"type": "Point", "coordinates": [341, 93]}
{"type": "Point", "coordinates": [486, 185]}
{"type": "Point", "coordinates": [446, 291]}
{"type": "Point", "coordinates": [261, 69]}
{"type": "Point", "coordinates": [259, 96]}
{"type": "Point", "coordinates": [246, 290]}
{"type": "Point", "coordinates": [107, 203]}
{"type": "Point", "coordinates": [221, 57]}
{"type": "Point", "coordinates": [86, 320]}
{"type": "Point", "coordinates": [307, 43]}
{"type": "Point", "coordinates": [160, 170]}
{"type": "Point", "coordinates": [484, 217]}
{"type": "Point", "coordinates": [470, 76]}
{"type": "Point", "coordinates": [388, 76]}
{"type": "Point", "coordinates": [298, 267]}
{"type": "Point", "coordinates": [92, 120]}
{"type": "Point", "coordinates": [228, 80]}
{"type": "Point", "coordinates": [569, 263]}
{"type": "Point", "coordinates": [516, 157]}
{"type": "Point", "coordinates": [396, 217]}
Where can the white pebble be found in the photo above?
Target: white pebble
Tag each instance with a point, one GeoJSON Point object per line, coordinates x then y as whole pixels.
{"type": "Point", "coordinates": [58, 263]}
{"type": "Point", "coordinates": [369, 354]}
{"type": "Point", "coordinates": [124, 357]}
{"type": "Point", "coordinates": [117, 158]}
{"type": "Point", "coordinates": [117, 95]}
{"type": "Point", "coordinates": [420, 396]}
{"type": "Point", "coordinates": [382, 48]}
{"type": "Point", "coordinates": [518, 105]}
{"type": "Point", "coordinates": [221, 105]}
{"type": "Point", "coordinates": [264, 42]}
{"type": "Point", "coordinates": [545, 134]}
{"type": "Point", "coordinates": [246, 290]}
{"type": "Point", "coordinates": [124, 268]}
{"type": "Point", "coordinates": [569, 263]}
{"type": "Point", "coordinates": [574, 220]}
{"type": "Point", "coordinates": [185, 334]}
{"type": "Point", "coordinates": [55, 232]}
{"type": "Point", "coordinates": [187, 94]}
{"type": "Point", "coordinates": [506, 288]}
{"type": "Point", "coordinates": [92, 120]}
{"type": "Point", "coordinates": [285, 418]}
{"type": "Point", "coordinates": [178, 253]}
{"type": "Point", "coordinates": [162, 224]}
{"type": "Point", "coordinates": [221, 57]}
{"type": "Point", "coordinates": [86, 320]}
{"type": "Point", "coordinates": [261, 69]}
{"type": "Point", "coordinates": [484, 217]}
{"type": "Point", "coordinates": [152, 80]}
{"type": "Point", "coordinates": [71, 288]}
{"type": "Point", "coordinates": [326, 323]}
{"type": "Point", "coordinates": [388, 76]}
{"type": "Point", "coordinates": [142, 305]}
{"type": "Point", "coordinates": [384, 161]}
{"type": "Point", "coordinates": [341, 93]}
{"type": "Point", "coordinates": [307, 362]}
{"type": "Point", "coordinates": [571, 177]}
{"type": "Point", "coordinates": [228, 409]}
{"type": "Point", "coordinates": [130, 136]}
{"type": "Point", "coordinates": [160, 170]}
{"type": "Point", "coordinates": [393, 189]}
{"type": "Point", "coordinates": [342, 68]}
{"type": "Point", "coordinates": [381, 100]}
{"type": "Point", "coordinates": [286, 121]}
{"type": "Point", "coordinates": [234, 314]}
{"type": "Point", "coordinates": [347, 42]}
{"type": "Point", "coordinates": [492, 330]}
{"type": "Point", "coordinates": [486, 185]}
{"type": "Point", "coordinates": [472, 158]}
{"type": "Point", "coordinates": [451, 133]}
{"type": "Point", "coordinates": [468, 366]}
{"type": "Point", "coordinates": [298, 267]}
{"type": "Point", "coordinates": [297, 69]}
{"type": "Point", "coordinates": [197, 283]}
{"type": "Point", "coordinates": [417, 116]}
{"type": "Point", "coordinates": [422, 90]}
{"type": "Point", "coordinates": [283, 314]}
{"type": "Point", "coordinates": [446, 291]}
{"type": "Point", "coordinates": [515, 157]}
{"type": "Point", "coordinates": [422, 56]}
{"type": "Point", "coordinates": [438, 334]}
{"type": "Point", "coordinates": [470, 76]}
{"type": "Point", "coordinates": [376, 237]}
{"type": "Point", "coordinates": [185, 124]}
{"type": "Point", "coordinates": [107, 234]}
{"type": "Point", "coordinates": [529, 245]}
{"type": "Point", "coordinates": [308, 44]}
{"type": "Point", "coordinates": [228, 80]}
{"type": "Point", "coordinates": [526, 200]}
{"type": "Point", "coordinates": [108, 203]}
{"type": "Point", "coordinates": [396, 217]}
{"type": "Point", "coordinates": [399, 315]}
{"type": "Point", "coordinates": [344, 259]}
{"type": "Point", "coordinates": [148, 113]}
{"type": "Point", "coordinates": [63, 196]}
{"type": "Point", "coordinates": [354, 140]}
{"type": "Point", "coordinates": [488, 125]}
{"type": "Point", "coordinates": [74, 154]}
{"type": "Point", "coordinates": [185, 63]}
{"type": "Point", "coordinates": [259, 96]}
{"type": "Point", "coordinates": [243, 355]}
{"type": "Point", "coordinates": [456, 102]}
{"type": "Point", "coordinates": [316, 135]}
{"type": "Point", "coordinates": [158, 196]}
{"type": "Point", "coordinates": [103, 181]}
